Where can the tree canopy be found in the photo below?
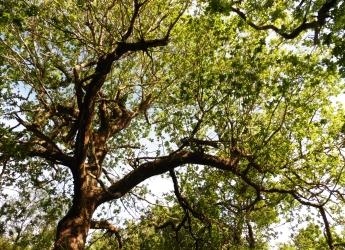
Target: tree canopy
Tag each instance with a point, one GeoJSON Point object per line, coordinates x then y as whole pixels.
{"type": "Point", "coordinates": [237, 104]}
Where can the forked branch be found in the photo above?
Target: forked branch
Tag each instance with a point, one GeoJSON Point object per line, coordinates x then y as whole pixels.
{"type": "Point", "coordinates": [316, 24]}
{"type": "Point", "coordinates": [110, 228]}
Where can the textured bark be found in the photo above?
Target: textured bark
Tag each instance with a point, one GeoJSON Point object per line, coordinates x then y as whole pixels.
{"type": "Point", "coordinates": [72, 230]}
{"type": "Point", "coordinates": [90, 150]}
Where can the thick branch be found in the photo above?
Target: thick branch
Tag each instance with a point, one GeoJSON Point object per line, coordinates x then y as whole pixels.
{"type": "Point", "coordinates": [164, 164]}
{"type": "Point", "coordinates": [103, 67]}
{"type": "Point", "coordinates": [48, 149]}
{"type": "Point", "coordinates": [142, 45]}
{"type": "Point", "coordinates": [135, 15]}
{"type": "Point", "coordinates": [50, 155]}
{"type": "Point", "coordinates": [102, 70]}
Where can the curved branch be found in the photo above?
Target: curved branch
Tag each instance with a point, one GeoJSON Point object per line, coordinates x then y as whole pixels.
{"type": "Point", "coordinates": [184, 203]}
{"type": "Point", "coordinates": [106, 225]}
{"type": "Point", "coordinates": [102, 70]}
{"type": "Point", "coordinates": [164, 164]}
{"type": "Point", "coordinates": [323, 13]}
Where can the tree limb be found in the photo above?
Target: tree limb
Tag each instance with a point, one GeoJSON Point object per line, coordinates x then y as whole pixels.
{"type": "Point", "coordinates": [49, 150]}
{"type": "Point", "coordinates": [184, 203]}
{"type": "Point", "coordinates": [329, 237]}
{"type": "Point", "coordinates": [164, 164]}
{"type": "Point", "coordinates": [323, 13]}
{"type": "Point", "coordinates": [106, 225]}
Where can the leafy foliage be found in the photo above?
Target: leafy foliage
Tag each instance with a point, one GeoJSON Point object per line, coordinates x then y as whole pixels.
{"type": "Point", "coordinates": [98, 96]}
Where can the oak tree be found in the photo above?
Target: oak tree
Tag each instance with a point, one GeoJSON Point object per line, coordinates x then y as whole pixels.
{"type": "Point", "coordinates": [98, 96]}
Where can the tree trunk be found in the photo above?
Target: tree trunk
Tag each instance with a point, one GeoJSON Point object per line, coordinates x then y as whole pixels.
{"type": "Point", "coordinates": [73, 228]}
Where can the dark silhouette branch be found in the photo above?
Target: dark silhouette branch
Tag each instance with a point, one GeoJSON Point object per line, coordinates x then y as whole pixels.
{"type": "Point", "coordinates": [176, 228]}
{"type": "Point", "coordinates": [322, 15]}
{"type": "Point", "coordinates": [250, 236]}
{"type": "Point", "coordinates": [44, 146]}
{"type": "Point", "coordinates": [88, 104]}
{"type": "Point", "coordinates": [134, 17]}
{"type": "Point", "coordinates": [184, 203]}
{"type": "Point", "coordinates": [328, 235]}
{"type": "Point", "coordinates": [110, 228]}
{"type": "Point", "coordinates": [49, 155]}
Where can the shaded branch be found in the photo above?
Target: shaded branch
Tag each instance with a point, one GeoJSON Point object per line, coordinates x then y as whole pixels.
{"type": "Point", "coordinates": [50, 155]}
{"type": "Point", "coordinates": [250, 236]}
{"type": "Point", "coordinates": [329, 237]}
{"type": "Point", "coordinates": [184, 203]}
{"type": "Point", "coordinates": [171, 223]}
{"type": "Point", "coordinates": [49, 150]}
{"type": "Point", "coordinates": [86, 102]}
{"type": "Point", "coordinates": [161, 165]}
{"type": "Point", "coordinates": [135, 15]}
{"type": "Point", "coordinates": [106, 225]}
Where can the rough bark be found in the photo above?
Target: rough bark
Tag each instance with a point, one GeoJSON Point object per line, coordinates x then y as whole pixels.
{"type": "Point", "coordinates": [73, 228]}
